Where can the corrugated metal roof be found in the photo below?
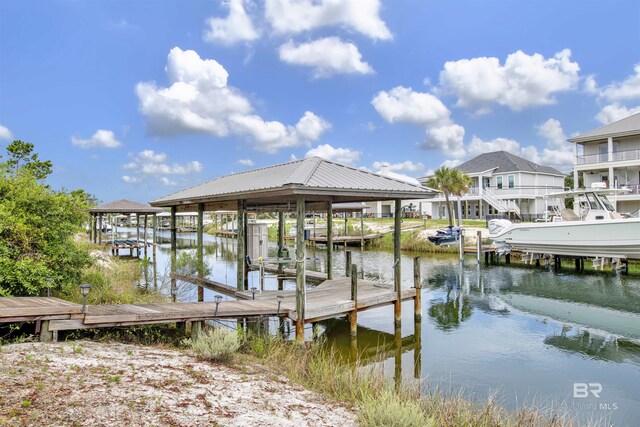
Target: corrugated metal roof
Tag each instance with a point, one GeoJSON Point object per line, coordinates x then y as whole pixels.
{"type": "Point", "coordinates": [625, 127]}
{"type": "Point", "coordinates": [305, 174]}
{"type": "Point", "coordinates": [502, 161]}
{"type": "Point", "coordinates": [125, 206]}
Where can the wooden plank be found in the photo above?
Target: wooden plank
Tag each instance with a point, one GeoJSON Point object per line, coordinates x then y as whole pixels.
{"type": "Point", "coordinates": [36, 306]}
{"type": "Point", "coordinates": [212, 285]}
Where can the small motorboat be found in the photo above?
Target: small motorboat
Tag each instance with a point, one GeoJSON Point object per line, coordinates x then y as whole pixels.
{"type": "Point", "coordinates": [445, 236]}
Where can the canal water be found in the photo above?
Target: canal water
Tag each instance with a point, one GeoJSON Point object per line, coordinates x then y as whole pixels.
{"type": "Point", "coordinates": [522, 335]}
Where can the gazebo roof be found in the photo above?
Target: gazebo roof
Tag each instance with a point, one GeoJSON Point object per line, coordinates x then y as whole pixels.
{"type": "Point", "coordinates": [126, 207]}
{"type": "Point", "coordinates": [276, 187]}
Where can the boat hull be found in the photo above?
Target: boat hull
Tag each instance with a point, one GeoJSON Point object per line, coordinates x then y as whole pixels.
{"type": "Point", "coordinates": [612, 239]}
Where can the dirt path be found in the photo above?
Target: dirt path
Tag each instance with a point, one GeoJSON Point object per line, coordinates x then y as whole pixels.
{"type": "Point", "coordinates": [111, 384]}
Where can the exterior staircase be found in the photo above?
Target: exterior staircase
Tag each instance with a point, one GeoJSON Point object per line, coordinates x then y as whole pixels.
{"type": "Point", "coordinates": [502, 206]}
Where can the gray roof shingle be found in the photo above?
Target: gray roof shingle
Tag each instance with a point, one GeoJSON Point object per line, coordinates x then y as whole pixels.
{"type": "Point", "coordinates": [625, 127]}
{"type": "Point", "coordinates": [502, 161]}
{"type": "Point", "coordinates": [305, 176]}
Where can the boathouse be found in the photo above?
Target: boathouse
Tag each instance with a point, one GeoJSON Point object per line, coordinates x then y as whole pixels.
{"type": "Point", "coordinates": [299, 186]}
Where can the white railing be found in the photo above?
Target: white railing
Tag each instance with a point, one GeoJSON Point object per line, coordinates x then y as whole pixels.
{"type": "Point", "coordinates": [501, 205]}
{"type": "Point", "coordinates": [604, 157]}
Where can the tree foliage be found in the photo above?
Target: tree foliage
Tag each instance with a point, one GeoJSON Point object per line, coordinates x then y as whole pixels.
{"type": "Point", "coordinates": [449, 181]}
{"type": "Point", "coordinates": [37, 227]}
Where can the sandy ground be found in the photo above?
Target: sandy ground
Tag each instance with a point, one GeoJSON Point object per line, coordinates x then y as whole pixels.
{"type": "Point", "coordinates": [111, 384]}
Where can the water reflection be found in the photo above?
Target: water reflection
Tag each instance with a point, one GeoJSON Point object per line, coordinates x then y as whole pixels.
{"type": "Point", "coordinates": [528, 332]}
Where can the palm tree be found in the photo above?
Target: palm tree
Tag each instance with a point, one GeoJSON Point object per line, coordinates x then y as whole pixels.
{"type": "Point", "coordinates": [461, 184]}
{"type": "Point", "coordinates": [449, 181]}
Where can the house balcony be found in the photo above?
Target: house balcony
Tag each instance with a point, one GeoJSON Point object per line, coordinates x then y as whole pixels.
{"type": "Point", "coordinates": [618, 158]}
{"type": "Point", "coordinates": [528, 192]}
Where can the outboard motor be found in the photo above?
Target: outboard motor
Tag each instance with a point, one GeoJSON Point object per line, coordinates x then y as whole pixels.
{"type": "Point", "coordinates": [497, 226]}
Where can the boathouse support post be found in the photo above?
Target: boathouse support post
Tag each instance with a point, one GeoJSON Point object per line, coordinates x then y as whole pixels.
{"type": "Point", "coordinates": [138, 234]}
{"type": "Point", "coordinates": [245, 227]}
{"type": "Point", "coordinates": [241, 264]}
{"type": "Point", "coordinates": [347, 261]}
{"type": "Point", "coordinates": [417, 284]}
{"type": "Point", "coordinates": [479, 247]}
{"type": "Point", "coordinates": [329, 240]}
{"type": "Point", "coordinates": [362, 228]}
{"type": "Point", "coordinates": [301, 295]}
{"type": "Point", "coordinates": [145, 237]}
{"type": "Point", "coordinates": [100, 229]}
{"type": "Point", "coordinates": [353, 315]}
{"type": "Point", "coordinates": [174, 256]}
{"type": "Point", "coordinates": [200, 249]}
{"type": "Point", "coordinates": [280, 246]}
{"type": "Point", "coordinates": [397, 278]}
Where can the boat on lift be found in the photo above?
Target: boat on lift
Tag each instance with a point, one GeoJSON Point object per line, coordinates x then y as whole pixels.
{"type": "Point", "coordinates": [595, 230]}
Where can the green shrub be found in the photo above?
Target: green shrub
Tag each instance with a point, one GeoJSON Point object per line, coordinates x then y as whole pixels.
{"type": "Point", "coordinates": [388, 409]}
{"type": "Point", "coordinates": [217, 344]}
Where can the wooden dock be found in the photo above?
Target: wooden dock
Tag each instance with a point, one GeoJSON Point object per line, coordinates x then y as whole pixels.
{"type": "Point", "coordinates": [330, 299]}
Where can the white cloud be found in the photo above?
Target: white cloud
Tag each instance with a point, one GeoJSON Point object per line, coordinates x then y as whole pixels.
{"type": "Point", "coordinates": [628, 89]}
{"type": "Point", "coordinates": [335, 154]}
{"type": "Point", "coordinates": [523, 81]}
{"type": "Point", "coordinates": [246, 162]}
{"type": "Point", "coordinates": [148, 163]}
{"type": "Point", "coordinates": [101, 138]}
{"type": "Point", "coordinates": [199, 100]}
{"type": "Point", "coordinates": [448, 139]}
{"type": "Point", "coordinates": [614, 112]}
{"type": "Point", "coordinates": [407, 165]}
{"type": "Point", "coordinates": [236, 27]}
{"type": "Point", "coordinates": [5, 133]}
{"type": "Point", "coordinates": [448, 163]}
{"type": "Point", "coordinates": [589, 85]}
{"type": "Point", "coordinates": [327, 57]}
{"type": "Point", "coordinates": [395, 175]}
{"type": "Point", "coordinates": [479, 146]}
{"type": "Point", "coordinates": [295, 16]}
{"type": "Point", "coordinates": [552, 131]}
{"type": "Point", "coordinates": [131, 179]}
{"type": "Point", "coordinates": [402, 104]}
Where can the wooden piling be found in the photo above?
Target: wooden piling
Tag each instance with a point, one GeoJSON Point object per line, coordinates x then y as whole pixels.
{"type": "Point", "coordinates": [200, 248]}
{"type": "Point", "coordinates": [353, 316]}
{"type": "Point", "coordinates": [280, 240]}
{"type": "Point", "coordinates": [362, 229]}
{"type": "Point", "coordinates": [196, 329]}
{"type": "Point", "coordinates": [347, 262]}
{"type": "Point", "coordinates": [100, 229]}
{"type": "Point", "coordinates": [241, 261]}
{"type": "Point", "coordinates": [300, 273]}
{"type": "Point", "coordinates": [329, 240]}
{"type": "Point", "coordinates": [397, 278]}
{"type": "Point", "coordinates": [479, 246]}
{"type": "Point", "coordinates": [417, 284]}
{"type": "Point", "coordinates": [46, 335]}
{"type": "Point", "coordinates": [174, 255]}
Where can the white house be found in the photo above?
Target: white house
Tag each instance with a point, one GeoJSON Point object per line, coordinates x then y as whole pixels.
{"type": "Point", "coordinates": [610, 155]}
{"type": "Point", "coordinates": [503, 183]}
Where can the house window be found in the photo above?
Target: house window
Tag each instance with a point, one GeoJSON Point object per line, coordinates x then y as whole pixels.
{"type": "Point", "coordinates": [499, 182]}
{"type": "Point", "coordinates": [512, 181]}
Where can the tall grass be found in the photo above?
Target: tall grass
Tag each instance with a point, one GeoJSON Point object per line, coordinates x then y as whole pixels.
{"type": "Point", "coordinates": [412, 241]}
{"type": "Point", "coordinates": [320, 368]}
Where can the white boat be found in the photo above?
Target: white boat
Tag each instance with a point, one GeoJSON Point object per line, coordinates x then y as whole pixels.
{"type": "Point", "coordinates": [596, 230]}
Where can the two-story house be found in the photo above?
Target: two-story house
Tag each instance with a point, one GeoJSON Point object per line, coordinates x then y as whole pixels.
{"type": "Point", "coordinates": [503, 183]}
{"type": "Point", "coordinates": [610, 157]}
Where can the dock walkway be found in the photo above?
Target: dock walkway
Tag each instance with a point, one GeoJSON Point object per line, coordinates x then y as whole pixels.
{"type": "Point", "coordinates": [332, 298]}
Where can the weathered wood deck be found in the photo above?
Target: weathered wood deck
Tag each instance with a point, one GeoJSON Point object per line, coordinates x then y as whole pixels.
{"type": "Point", "coordinates": [327, 300]}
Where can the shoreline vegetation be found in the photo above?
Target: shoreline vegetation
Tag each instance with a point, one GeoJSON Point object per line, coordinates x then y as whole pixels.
{"type": "Point", "coordinates": [170, 380]}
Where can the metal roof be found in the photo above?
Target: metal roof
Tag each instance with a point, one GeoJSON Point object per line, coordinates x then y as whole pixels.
{"type": "Point", "coordinates": [501, 162]}
{"type": "Point", "coordinates": [625, 127]}
{"type": "Point", "coordinates": [318, 179]}
{"type": "Point", "coordinates": [125, 207]}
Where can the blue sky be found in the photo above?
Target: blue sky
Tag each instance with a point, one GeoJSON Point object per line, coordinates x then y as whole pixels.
{"type": "Point", "coordinates": [140, 99]}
